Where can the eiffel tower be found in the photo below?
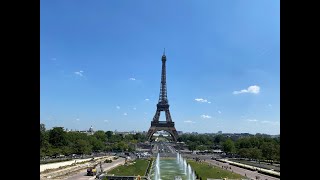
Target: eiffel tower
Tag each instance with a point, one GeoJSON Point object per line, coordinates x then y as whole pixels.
{"type": "Point", "coordinates": [163, 105]}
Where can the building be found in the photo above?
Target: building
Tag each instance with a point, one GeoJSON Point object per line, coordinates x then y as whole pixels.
{"type": "Point", "coordinates": [88, 132]}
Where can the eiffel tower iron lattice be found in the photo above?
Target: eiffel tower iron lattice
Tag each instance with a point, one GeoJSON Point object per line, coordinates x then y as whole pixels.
{"type": "Point", "coordinates": [163, 105]}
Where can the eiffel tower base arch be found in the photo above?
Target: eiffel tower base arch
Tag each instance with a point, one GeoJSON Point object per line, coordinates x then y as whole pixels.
{"type": "Point", "coordinates": [163, 126]}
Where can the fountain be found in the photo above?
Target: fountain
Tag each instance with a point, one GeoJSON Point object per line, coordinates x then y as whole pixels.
{"type": "Point", "coordinates": [189, 172]}
{"type": "Point", "coordinates": [185, 167]}
{"type": "Point", "coordinates": [172, 169]}
{"type": "Point", "coordinates": [157, 172]}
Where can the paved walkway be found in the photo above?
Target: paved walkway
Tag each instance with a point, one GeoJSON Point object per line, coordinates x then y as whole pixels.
{"type": "Point", "coordinates": [82, 175]}
{"type": "Point", "coordinates": [58, 164]}
{"type": "Point", "coordinates": [244, 172]}
{"type": "Point", "coordinates": [66, 172]}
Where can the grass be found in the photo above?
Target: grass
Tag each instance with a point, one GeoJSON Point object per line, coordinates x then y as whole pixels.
{"type": "Point", "coordinates": [138, 168]}
{"type": "Point", "coordinates": [204, 170]}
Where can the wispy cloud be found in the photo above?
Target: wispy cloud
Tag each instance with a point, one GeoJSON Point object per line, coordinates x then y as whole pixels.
{"type": "Point", "coordinates": [219, 112]}
{"type": "Point", "coordinates": [132, 79]}
{"type": "Point", "coordinates": [118, 107]}
{"type": "Point", "coordinates": [271, 122]}
{"type": "Point", "coordinates": [206, 116]}
{"type": "Point", "coordinates": [191, 122]}
{"type": "Point", "coordinates": [79, 73]}
{"type": "Point", "coordinates": [202, 100]}
{"type": "Point", "coordinates": [125, 114]}
{"type": "Point", "coordinates": [106, 121]}
{"type": "Point", "coordinates": [147, 99]}
{"type": "Point", "coordinates": [77, 119]}
{"type": "Point", "coordinates": [251, 89]}
{"type": "Point", "coordinates": [252, 120]}
{"type": "Point", "coordinates": [134, 108]}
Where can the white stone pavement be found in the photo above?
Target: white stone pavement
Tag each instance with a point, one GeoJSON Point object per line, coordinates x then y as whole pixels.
{"type": "Point", "coordinates": [59, 164]}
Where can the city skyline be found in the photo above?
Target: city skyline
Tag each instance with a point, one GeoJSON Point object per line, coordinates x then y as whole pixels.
{"type": "Point", "coordinates": [100, 64]}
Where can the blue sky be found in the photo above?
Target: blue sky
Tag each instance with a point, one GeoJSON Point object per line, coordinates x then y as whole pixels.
{"type": "Point", "coordinates": [100, 64]}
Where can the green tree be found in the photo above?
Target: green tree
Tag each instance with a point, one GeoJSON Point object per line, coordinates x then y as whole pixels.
{"type": "Point", "coordinates": [82, 147]}
{"type": "Point", "coordinates": [269, 150]}
{"type": "Point", "coordinates": [57, 137]}
{"type": "Point", "coordinates": [97, 145]}
{"type": "Point", "coordinates": [109, 134]}
{"type": "Point", "coordinates": [218, 139]}
{"type": "Point", "coordinates": [43, 137]}
{"type": "Point", "coordinates": [101, 136]}
{"type": "Point", "coordinates": [255, 153]}
{"type": "Point", "coordinates": [192, 146]}
{"type": "Point", "coordinates": [228, 146]}
{"type": "Point", "coordinates": [42, 128]}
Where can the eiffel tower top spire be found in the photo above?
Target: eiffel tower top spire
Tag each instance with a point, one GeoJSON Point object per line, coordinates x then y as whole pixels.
{"type": "Point", "coordinates": [163, 85]}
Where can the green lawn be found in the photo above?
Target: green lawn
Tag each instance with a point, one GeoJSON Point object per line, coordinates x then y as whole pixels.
{"type": "Point", "coordinates": [204, 170]}
{"type": "Point", "coordinates": [138, 168]}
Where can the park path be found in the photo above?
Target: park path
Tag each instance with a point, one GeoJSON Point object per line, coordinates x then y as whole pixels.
{"type": "Point", "coordinates": [244, 172]}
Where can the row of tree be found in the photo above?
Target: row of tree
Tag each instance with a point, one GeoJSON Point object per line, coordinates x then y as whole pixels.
{"type": "Point", "coordinates": [57, 141]}
{"type": "Point", "coordinates": [260, 147]}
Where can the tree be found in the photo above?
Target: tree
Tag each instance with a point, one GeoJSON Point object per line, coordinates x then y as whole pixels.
{"type": "Point", "coordinates": [82, 147]}
{"type": "Point", "coordinates": [42, 128]}
{"type": "Point", "coordinates": [218, 139]}
{"type": "Point", "coordinates": [109, 134]}
{"type": "Point", "coordinates": [101, 136]}
{"type": "Point", "coordinates": [244, 152]}
{"type": "Point", "coordinates": [43, 137]}
{"type": "Point", "coordinates": [268, 150]}
{"type": "Point", "coordinates": [57, 137]}
{"type": "Point", "coordinates": [255, 153]}
{"type": "Point", "coordinates": [192, 146]}
{"type": "Point", "coordinates": [228, 146]}
{"type": "Point", "coordinates": [97, 145]}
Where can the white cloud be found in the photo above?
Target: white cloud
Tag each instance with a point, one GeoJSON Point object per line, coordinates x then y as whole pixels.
{"type": "Point", "coordinates": [79, 73]}
{"type": "Point", "coordinates": [118, 107]}
{"type": "Point", "coordinates": [132, 79]}
{"type": "Point", "coordinates": [271, 122]}
{"type": "Point", "coordinates": [251, 89]}
{"type": "Point", "coordinates": [206, 116]}
{"type": "Point", "coordinates": [191, 122]}
{"type": "Point", "coordinates": [147, 99]}
{"type": "Point", "coordinates": [125, 114]}
{"type": "Point", "coordinates": [202, 100]}
{"type": "Point", "coordinates": [219, 112]}
{"type": "Point", "coordinates": [252, 120]}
